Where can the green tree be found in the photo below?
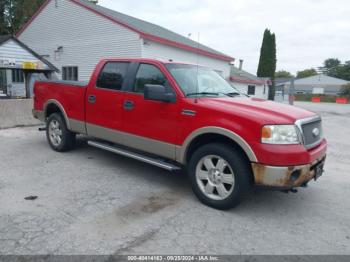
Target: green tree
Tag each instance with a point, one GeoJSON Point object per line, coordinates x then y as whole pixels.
{"type": "Point", "coordinates": [3, 27]}
{"type": "Point", "coordinates": [345, 90]}
{"type": "Point", "coordinates": [15, 13]}
{"type": "Point", "coordinates": [333, 67]}
{"type": "Point", "coordinates": [343, 71]}
{"type": "Point", "coordinates": [329, 65]}
{"type": "Point", "coordinates": [268, 60]}
{"type": "Point", "coordinates": [283, 74]}
{"type": "Point", "coordinates": [307, 73]}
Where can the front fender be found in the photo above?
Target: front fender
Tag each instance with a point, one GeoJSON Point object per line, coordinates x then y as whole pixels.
{"type": "Point", "coordinates": [181, 151]}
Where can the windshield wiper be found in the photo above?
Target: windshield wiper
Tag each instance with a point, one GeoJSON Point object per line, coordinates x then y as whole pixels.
{"type": "Point", "coordinates": [233, 94]}
{"type": "Point", "coordinates": [203, 93]}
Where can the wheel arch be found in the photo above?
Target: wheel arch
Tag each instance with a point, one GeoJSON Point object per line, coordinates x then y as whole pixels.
{"type": "Point", "coordinates": [53, 106]}
{"type": "Point", "coordinates": [208, 135]}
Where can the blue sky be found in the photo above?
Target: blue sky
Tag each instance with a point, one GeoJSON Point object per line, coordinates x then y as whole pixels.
{"type": "Point", "coordinates": [307, 31]}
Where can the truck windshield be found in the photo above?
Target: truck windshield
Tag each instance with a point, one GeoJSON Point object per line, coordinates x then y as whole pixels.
{"type": "Point", "coordinates": [200, 81]}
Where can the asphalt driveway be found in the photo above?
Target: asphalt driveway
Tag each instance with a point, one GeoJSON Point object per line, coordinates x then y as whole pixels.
{"type": "Point", "coordinates": [94, 202]}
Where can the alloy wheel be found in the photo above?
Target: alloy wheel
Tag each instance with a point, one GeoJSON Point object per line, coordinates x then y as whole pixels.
{"type": "Point", "coordinates": [55, 133]}
{"type": "Point", "coordinates": [215, 177]}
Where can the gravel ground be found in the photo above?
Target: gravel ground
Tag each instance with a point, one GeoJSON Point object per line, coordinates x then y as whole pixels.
{"type": "Point", "coordinates": [94, 202]}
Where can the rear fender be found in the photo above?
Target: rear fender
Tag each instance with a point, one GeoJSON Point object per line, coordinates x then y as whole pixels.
{"type": "Point", "coordinates": [61, 109]}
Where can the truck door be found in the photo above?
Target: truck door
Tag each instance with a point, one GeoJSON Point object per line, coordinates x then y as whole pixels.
{"type": "Point", "coordinates": [104, 102]}
{"type": "Point", "coordinates": [150, 126]}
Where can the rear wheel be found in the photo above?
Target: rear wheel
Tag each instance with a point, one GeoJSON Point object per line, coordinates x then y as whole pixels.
{"type": "Point", "coordinates": [59, 137]}
{"type": "Point", "coordinates": [220, 175]}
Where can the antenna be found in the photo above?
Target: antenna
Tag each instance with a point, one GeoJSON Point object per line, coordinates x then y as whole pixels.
{"type": "Point", "coordinates": [198, 45]}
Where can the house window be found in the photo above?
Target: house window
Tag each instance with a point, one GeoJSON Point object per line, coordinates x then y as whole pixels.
{"type": "Point", "coordinates": [251, 90]}
{"type": "Point", "coordinates": [113, 75]}
{"type": "Point", "coordinates": [17, 76]}
{"type": "Point", "coordinates": [70, 73]}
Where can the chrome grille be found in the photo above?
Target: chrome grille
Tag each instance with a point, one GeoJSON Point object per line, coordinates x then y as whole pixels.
{"type": "Point", "coordinates": [311, 131]}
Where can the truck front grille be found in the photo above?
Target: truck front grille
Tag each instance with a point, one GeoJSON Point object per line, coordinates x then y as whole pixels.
{"type": "Point", "coordinates": [312, 132]}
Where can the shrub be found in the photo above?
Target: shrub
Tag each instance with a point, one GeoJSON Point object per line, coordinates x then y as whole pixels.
{"type": "Point", "coordinates": [345, 90]}
{"type": "Point", "coordinates": [308, 97]}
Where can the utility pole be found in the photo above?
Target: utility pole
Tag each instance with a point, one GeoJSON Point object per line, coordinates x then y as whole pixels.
{"type": "Point", "coordinates": [291, 91]}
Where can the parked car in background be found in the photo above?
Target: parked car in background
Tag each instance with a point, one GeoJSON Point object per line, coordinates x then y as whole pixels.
{"type": "Point", "coordinates": [180, 116]}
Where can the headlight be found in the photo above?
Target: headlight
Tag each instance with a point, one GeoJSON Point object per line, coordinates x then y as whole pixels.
{"type": "Point", "coordinates": [280, 135]}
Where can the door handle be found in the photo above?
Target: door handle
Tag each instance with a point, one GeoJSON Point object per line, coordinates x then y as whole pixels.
{"type": "Point", "coordinates": [92, 99]}
{"type": "Point", "coordinates": [129, 105]}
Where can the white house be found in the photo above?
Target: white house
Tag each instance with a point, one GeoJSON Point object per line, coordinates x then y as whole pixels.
{"type": "Point", "coordinates": [19, 66]}
{"type": "Point", "coordinates": [248, 83]}
{"type": "Point", "coordinates": [319, 84]}
{"type": "Point", "coordinates": [75, 34]}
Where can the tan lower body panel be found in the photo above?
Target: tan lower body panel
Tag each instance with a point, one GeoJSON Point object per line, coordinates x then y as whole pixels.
{"type": "Point", "coordinates": [72, 124]}
{"type": "Point", "coordinates": [40, 115]}
{"type": "Point", "coordinates": [77, 126]}
{"type": "Point", "coordinates": [170, 151]}
{"type": "Point", "coordinates": [137, 142]}
{"type": "Point", "coordinates": [151, 146]}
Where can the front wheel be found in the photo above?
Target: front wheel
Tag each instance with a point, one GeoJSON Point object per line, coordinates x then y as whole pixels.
{"type": "Point", "coordinates": [59, 137]}
{"type": "Point", "coordinates": [219, 175]}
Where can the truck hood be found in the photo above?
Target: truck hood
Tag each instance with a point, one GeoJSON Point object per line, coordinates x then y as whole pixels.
{"type": "Point", "coordinates": [262, 111]}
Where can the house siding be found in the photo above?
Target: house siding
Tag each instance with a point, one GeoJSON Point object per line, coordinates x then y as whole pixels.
{"type": "Point", "coordinates": [309, 85]}
{"type": "Point", "coordinates": [259, 89]}
{"type": "Point", "coordinates": [308, 89]}
{"type": "Point", "coordinates": [86, 37]}
{"type": "Point", "coordinates": [10, 50]}
{"type": "Point", "coordinates": [155, 50]}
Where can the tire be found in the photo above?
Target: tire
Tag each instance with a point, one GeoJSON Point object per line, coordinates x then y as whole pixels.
{"type": "Point", "coordinates": [59, 137]}
{"type": "Point", "coordinates": [220, 175]}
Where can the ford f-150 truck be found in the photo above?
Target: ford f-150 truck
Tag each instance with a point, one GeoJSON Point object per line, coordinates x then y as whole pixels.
{"type": "Point", "coordinates": [186, 117]}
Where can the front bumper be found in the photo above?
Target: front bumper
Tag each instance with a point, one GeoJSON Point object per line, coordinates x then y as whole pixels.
{"type": "Point", "coordinates": [287, 177]}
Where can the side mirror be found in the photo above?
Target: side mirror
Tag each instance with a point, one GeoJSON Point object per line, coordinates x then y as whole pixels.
{"type": "Point", "coordinates": [158, 93]}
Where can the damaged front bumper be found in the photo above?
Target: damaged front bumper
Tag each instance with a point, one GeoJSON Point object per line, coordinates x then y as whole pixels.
{"type": "Point", "coordinates": [287, 177]}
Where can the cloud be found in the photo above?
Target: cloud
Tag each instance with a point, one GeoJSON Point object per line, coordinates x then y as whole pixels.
{"type": "Point", "coordinates": [307, 31]}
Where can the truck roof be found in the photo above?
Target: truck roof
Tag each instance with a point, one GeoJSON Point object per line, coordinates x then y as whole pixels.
{"type": "Point", "coordinates": [145, 60]}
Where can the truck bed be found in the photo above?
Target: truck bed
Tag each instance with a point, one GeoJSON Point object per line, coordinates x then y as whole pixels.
{"type": "Point", "coordinates": [70, 95]}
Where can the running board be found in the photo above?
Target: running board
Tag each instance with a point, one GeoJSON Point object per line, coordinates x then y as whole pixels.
{"type": "Point", "coordinates": [137, 156]}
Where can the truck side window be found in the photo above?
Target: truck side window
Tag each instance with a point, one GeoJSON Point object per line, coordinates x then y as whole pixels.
{"type": "Point", "coordinates": [149, 74]}
{"type": "Point", "coordinates": [112, 75]}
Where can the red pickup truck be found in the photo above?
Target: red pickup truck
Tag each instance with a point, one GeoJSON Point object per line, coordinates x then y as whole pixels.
{"type": "Point", "coordinates": [179, 116]}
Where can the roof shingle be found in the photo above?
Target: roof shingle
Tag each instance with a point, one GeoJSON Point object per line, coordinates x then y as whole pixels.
{"type": "Point", "coordinates": [242, 76]}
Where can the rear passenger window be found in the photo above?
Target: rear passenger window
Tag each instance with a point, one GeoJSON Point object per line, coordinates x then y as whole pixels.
{"type": "Point", "coordinates": [113, 75]}
{"type": "Point", "coordinates": [149, 74]}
